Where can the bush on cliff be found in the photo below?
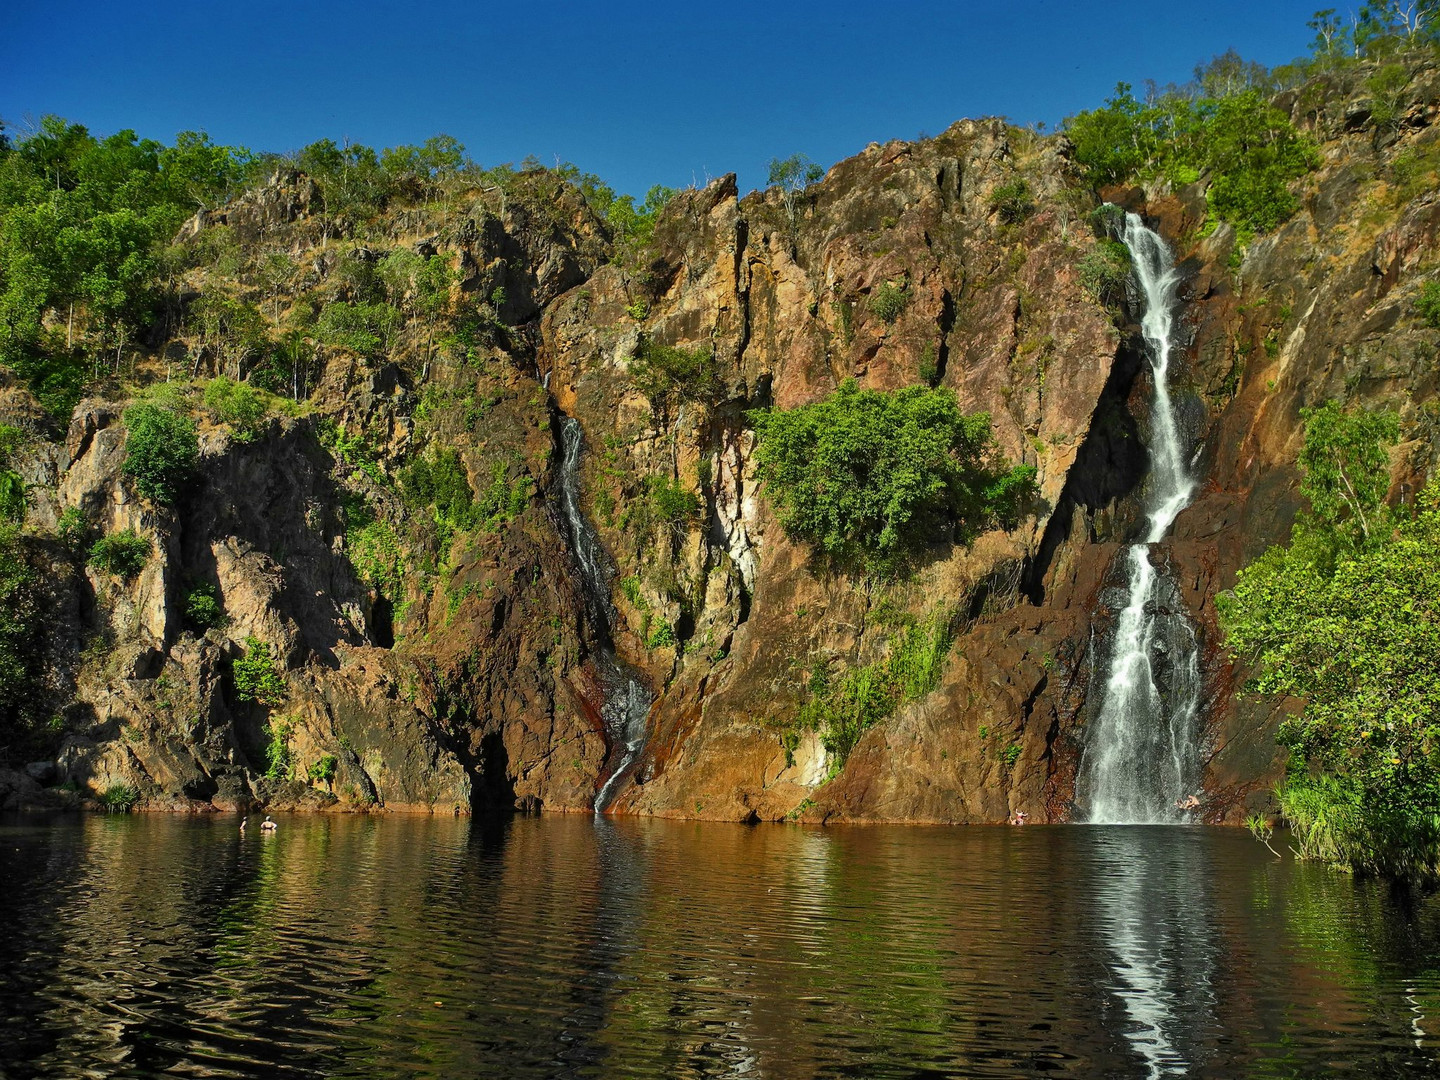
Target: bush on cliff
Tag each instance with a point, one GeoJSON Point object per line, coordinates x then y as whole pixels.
{"type": "Point", "coordinates": [255, 675]}
{"type": "Point", "coordinates": [873, 476]}
{"type": "Point", "coordinates": [161, 451]}
{"type": "Point", "coordinates": [122, 553]}
{"type": "Point", "coordinates": [1347, 619]}
{"type": "Point", "coordinates": [21, 668]}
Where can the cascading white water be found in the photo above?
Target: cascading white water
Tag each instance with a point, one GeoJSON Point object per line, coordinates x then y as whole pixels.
{"type": "Point", "coordinates": [627, 702]}
{"type": "Point", "coordinates": [1141, 761]}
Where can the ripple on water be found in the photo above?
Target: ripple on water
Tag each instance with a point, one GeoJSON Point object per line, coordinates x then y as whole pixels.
{"type": "Point", "coordinates": [364, 947]}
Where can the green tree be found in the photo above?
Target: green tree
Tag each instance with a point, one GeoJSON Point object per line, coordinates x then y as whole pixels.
{"type": "Point", "coordinates": [161, 451]}
{"type": "Point", "coordinates": [1346, 618]}
{"type": "Point", "coordinates": [235, 404]}
{"type": "Point", "coordinates": [21, 666]}
{"type": "Point", "coordinates": [256, 677]}
{"type": "Point", "coordinates": [871, 475]}
{"type": "Point", "coordinates": [792, 176]}
{"type": "Point", "coordinates": [122, 553]}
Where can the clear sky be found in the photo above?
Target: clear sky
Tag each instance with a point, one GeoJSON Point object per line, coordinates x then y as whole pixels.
{"type": "Point", "coordinates": [639, 93]}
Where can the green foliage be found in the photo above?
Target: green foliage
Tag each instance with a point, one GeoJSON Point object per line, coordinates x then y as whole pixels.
{"type": "Point", "coordinates": [439, 482]}
{"type": "Point", "coordinates": [21, 667]}
{"type": "Point", "coordinates": [632, 226]}
{"type": "Point", "coordinates": [1427, 304]}
{"type": "Point", "coordinates": [256, 677]}
{"type": "Point", "coordinates": [873, 476]}
{"type": "Point", "coordinates": [161, 451]}
{"type": "Point", "coordinates": [1248, 148]}
{"type": "Point", "coordinates": [203, 608]}
{"type": "Point", "coordinates": [1347, 468]}
{"type": "Point", "coordinates": [668, 373]}
{"type": "Point", "coordinates": [373, 547]}
{"type": "Point", "coordinates": [792, 175]}
{"type": "Point", "coordinates": [235, 404]}
{"type": "Point", "coordinates": [323, 771]}
{"type": "Point", "coordinates": [363, 328]}
{"type": "Point", "coordinates": [1013, 201]}
{"type": "Point", "coordinates": [279, 761]}
{"type": "Point", "coordinates": [889, 301]}
{"type": "Point", "coordinates": [122, 553]}
{"type": "Point", "coordinates": [119, 798]}
{"type": "Point", "coordinates": [671, 502]}
{"type": "Point", "coordinates": [842, 709]}
{"type": "Point", "coordinates": [1386, 85]}
{"type": "Point", "coordinates": [1347, 619]}
{"type": "Point", "coordinates": [74, 531]}
{"type": "Point", "coordinates": [81, 223]}
{"type": "Point", "coordinates": [1105, 271]}
{"type": "Point", "coordinates": [12, 496]}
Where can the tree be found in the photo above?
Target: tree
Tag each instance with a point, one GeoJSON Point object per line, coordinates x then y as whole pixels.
{"type": "Point", "coordinates": [792, 176]}
{"type": "Point", "coordinates": [1346, 618]}
{"type": "Point", "coordinates": [256, 678]}
{"type": "Point", "coordinates": [1347, 468]}
{"type": "Point", "coordinates": [873, 476]}
{"type": "Point", "coordinates": [161, 451]}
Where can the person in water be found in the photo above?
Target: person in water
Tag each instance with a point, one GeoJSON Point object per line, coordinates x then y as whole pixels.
{"type": "Point", "coordinates": [1019, 817]}
{"type": "Point", "coordinates": [267, 825]}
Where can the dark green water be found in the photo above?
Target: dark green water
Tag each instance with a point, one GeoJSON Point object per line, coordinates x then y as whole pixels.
{"type": "Point", "coordinates": [376, 947]}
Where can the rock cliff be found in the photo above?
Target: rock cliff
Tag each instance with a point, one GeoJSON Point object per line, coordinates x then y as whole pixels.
{"type": "Point", "coordinates": [449, 674]}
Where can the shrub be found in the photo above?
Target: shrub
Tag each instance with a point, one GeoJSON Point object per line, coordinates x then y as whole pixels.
{"type": "Point", "coordinates": [278, 761]}
{"type": "Point", "coordinates": [12, 488]}
{"type": "Point", "coordinates": [670, 502]}
{"type": "Point", "coordinates": [362, 328]}
{"type": "Point", "coordinates": [1105, 271]}
{"type": "Point", "coordinates": [21, 669]}
{"type": "Point", "coordinates": [161, 451]}
{"type": "Point", "coordinates": [12, 496]}
{"type": "Point", "coordinates": [256, 678]}
{"type": "Point", "coordinates": [1013, 202]}
{"type": "Point", "coordinates": [842, 709]}
{"type": "Point", "coordinates": [871, 475]}
{"type": "Point", "coordinates": [439, 482]}
{"type": "Point", "coordinates": [203, 609]}
{"type": "Point", "coordinates": [666, 373]}
{"type": "Point", "coordinates": [235, 404]}
{"type": "Point", "coordinates": [889, 301]}
{"type": "Point", "coordinates": [323, 771]}
{"type": "Point", "coordinates": [1427, 304]}
{"type": "Point", "coordinates": [1249, 149]}
{"type": "Point", "coordinates": [119, 798]}
{"type": "Point", "coordinates": [73, 530]}
{"type": "Point", "coordinates": [123, 553]}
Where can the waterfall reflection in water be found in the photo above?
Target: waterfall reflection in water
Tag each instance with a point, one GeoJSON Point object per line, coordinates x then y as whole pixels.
{"type": "Point", "coordinates": [141, 946]}
{"type": "Point", "coordinates": [1154, 913]}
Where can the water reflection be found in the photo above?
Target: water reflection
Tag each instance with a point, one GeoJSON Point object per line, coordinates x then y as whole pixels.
{"type": "Point", "coordinates": [1154, 914]}
{"type": "Point", "coordinates": [556, 947]}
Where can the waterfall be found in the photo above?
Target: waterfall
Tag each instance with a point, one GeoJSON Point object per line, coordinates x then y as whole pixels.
{"type": "Point", "coordinates": [627, 702]}
{"type": "Point", "coordinates": [1141, 760]}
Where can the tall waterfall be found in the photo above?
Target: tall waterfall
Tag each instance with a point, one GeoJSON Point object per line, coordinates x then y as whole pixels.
{"type": "Point", "coordinates": [1141, 759]}
{"type": "Point", "coordinates": [627, 701]}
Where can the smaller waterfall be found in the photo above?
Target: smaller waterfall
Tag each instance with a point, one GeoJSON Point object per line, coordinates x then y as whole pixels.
{"type": "Point", "coordinates": [627, 701]}
{"type": "Point", "coordinates": [1141, 761]}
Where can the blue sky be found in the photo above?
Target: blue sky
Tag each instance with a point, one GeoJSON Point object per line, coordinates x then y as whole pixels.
{"type": "Point", "coordinates": [638, 93]}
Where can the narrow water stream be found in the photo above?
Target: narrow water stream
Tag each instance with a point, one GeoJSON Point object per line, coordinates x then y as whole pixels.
{"type": "Point", "coordinates": [1141, 763]}
{"type": "Point", "coordinates": [627, 700]}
